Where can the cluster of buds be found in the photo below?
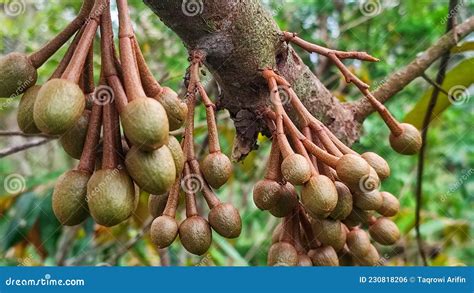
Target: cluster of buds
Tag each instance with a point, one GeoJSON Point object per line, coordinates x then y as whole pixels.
{"type": "Point", "coordinates": [339, 192]}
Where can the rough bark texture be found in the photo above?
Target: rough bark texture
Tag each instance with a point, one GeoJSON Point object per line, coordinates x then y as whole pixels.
{"type": "Point", "coordinates": [239, 38]}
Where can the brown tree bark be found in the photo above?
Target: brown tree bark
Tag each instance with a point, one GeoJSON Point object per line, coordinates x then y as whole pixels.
{"type": "Point", "coordinates": [240, 38]}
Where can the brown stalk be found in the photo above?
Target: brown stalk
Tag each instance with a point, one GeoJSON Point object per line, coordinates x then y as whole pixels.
{"type": "Point", "coordinates": [39, 57]}
{"type": "Point", "coordinates": [191, 207]}
{"type": "Point", "coordinates": [287, 230]}
{"type": "Point", "coordinates": [307, 119]}
{"type": "Point", "coordinates": [336, 57]}
{"type": "Point", "coordinates": [132, 82]}
{"type": "Point", "coordinates": [313, 48]}
{"type": "Point", "coordinates": [88, 72]}
{"type": "Point", "coordinates": [151, 86]}
{"type": "Point", "coordinates": [308, 230]}
{"type": "Point", "coordinates": [173, 199]}
{"type": "Point", "coordinates": [211, 120]}
{"type": "Point", "coordinates": [74, 69]}
{"type": "Point", "coordinates": [87, 161]}
{"type": "Point", "coordinates": [391, 122]}
{"type": "Point", "coordinates": [300, 149]}
{"type": "Point", "coordinates": [109, 157]}
{"type": "Point", "coordinates": [320, 154]}
{"type": "Point", "coordinates": [108, 63]}
{"type": "Point", "coordinates": [284, 145]}
{"type": "Point", "coordinates": [297, 231]}
{"type": "Point", "coordinates": [339, 144]}
{"type": "Point", "coordinates": [188, 143]}
{"type": "Point", "coordinates": [209, 195]}
{"type": "Point", "coordinates": [307, 133]}
{"type": "Point", "coordinates": [274, 162]}
{"type": "Point", "coordinates": [325, 170]}
{"type": "Point", "coordinates": [67, 57]}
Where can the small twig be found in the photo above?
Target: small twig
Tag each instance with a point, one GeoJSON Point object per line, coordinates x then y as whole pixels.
{"type": "Point", "coordinates": [66, 244]}
{"type": "Point", "coordinates": [437, 86]}
{"type": "Point", "coordinates": [164, 257]}
{"type": "Point", "coordinates": [19, 133]}
{"type": "Point", "coordinates": [19, 148]}
{"type": "Point", "coordinates": [424, 132]}
{"type": "Point", "coordinates": [131, 243]}
{"type": "Point", "coordinates": [402, 77]}
{"type": "Point", "coordinates": [336, 57]}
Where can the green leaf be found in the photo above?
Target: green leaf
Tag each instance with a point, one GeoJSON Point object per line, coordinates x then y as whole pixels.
{"type": "Point", "coordinates": [49, 226]}
{"type": "Point", "coordinates": [238, 260]}
{"type": "Point", "coordinates": [19, 220]}
{"type": "Point", "coordinates": [464, 47]}
{"type": "Point", "coordinates": [457, 80]}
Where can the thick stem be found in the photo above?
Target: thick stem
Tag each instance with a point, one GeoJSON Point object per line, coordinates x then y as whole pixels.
{"type": "Point", "coordinates": [300, 149]}
{"type": "Point", "coordinates": [109, 157]}
{"type": "Point", "coordinates": [320, 154]}
{"type": "Point", "coordinates": [88, 72]}
{"type": "Point", "coordinates": [132, 82]}
{"type": "Point", "coordinates": [387, 117]}
{"type": "Point", "coordinates": [284, 145]}
{"type": "Point", "coordinates": [74, 69]}
{"type": "Point", "coordinates": [287, 230]}
{"type": "Point", "coordinates": [340, 145]}
{"type": "Point", "coordinates": [307, 133]}
{"type": "Point", "coordinates": [211, 120]}
{"type": "Point", "coordinates": [191, 207]}
{"type": "Point", "coordinates": [87, 161]}
{"type": "Point", "coordinates": [308, 230]}
{"type": "Point", "coordinates": [325, 140]}
{"type": "Point", "coordinates": [209, 195]}
{"type": "Point", "coordinates": [42, 55]}
{"type": "Point", "coordinates": [313, 48]}
{"type": "Point", "coordinates": [108, 62]}
{"type": "Point", "coordinates": [151, 86]}
{"type": "Point", "coordinates": [67, 57]}
{"type": "Point", "coordinates": [335, 57]}
{"type": "Point", "coordinates": [273, 164]}
{"type": "Point", "coordinates": [173, 199]}
{"type": "Point", "coordinates": [297, 231]}
{"type": "Point", "coordinates": [191, 104]}
{"type": "Point", "coordinates": [325, 170]}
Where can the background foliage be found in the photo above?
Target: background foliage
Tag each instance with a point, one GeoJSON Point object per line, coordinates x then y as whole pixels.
{"type": "Point", "coordinates": [396, 32]}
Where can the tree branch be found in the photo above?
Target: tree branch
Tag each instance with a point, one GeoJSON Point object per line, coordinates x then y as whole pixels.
{"type": "Point", "coordinates": [451, 26]}
{"type": "Point", "coordinates": [397, 81]}
{"type": "Point", "coordinates": [239, 39]}
{"type": "Point", "coordinates": [25, 146]}
{"type": "Point", "coordinates": [19, 133]}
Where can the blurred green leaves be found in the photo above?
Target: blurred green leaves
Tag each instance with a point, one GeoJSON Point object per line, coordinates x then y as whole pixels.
{"type": "Point", "coordinates": [456, 84]}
